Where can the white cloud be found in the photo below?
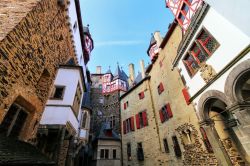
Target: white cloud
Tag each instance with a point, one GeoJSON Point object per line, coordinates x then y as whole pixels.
{"type": "Point", "coordinates": [118, 43]}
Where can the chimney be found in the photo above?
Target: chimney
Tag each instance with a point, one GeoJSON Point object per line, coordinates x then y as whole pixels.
{"type": "Point", "coordinates": [142, 68]}
{"type": "Point", "coordinates": [158, 38]}
{"type": "Point", "coordinates": [98, 69]}
{"type": "Point", "coordinates": [131, 74]}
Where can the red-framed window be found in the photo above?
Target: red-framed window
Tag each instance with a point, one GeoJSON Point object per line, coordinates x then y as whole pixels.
{"type": "Point", "coordinates": [125, 105]}
{"type": "Point", "coordinates": [200, 56]}
{"type": "Point", "coordinates": [207, 41]}
{"type": "Point", "coordinates": [160, 88]}
{"type": "Point", "coordinates": [191, 64]}
{"type": "Point", "coordinates": [128, 125]}
{"type": "Point", "coordinates": [141, 119]}
{"type": "Point", "coordinates": [202, 48]}
{"type": "Point", "coordinates": [141, 95]}
{"type": "Point", "coordinates": [165, 113]}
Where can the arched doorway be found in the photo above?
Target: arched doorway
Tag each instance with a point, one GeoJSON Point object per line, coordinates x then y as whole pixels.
{"type": "Point", "coordinates": [216, 122]}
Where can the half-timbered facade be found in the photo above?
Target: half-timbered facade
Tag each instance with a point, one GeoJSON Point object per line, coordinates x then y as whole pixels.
{"type": "Point", "coordinates": [183, 11]}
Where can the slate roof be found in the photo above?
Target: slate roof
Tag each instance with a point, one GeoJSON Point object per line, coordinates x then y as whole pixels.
{"type": "Point", "coordinates": [12, 12]}
{"type": "Point", "coordinates": [109, 71]}
{"type": "Point", "coordinates": [106, 133]}
{"type": "Point", "coordinates": [152, 42]}
{"type": "Point", "coordinates": [120, 74]}
{"type": "Point", "coordinates": [15, 152]}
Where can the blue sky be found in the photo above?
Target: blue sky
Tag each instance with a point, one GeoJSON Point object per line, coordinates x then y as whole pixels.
{"type": "Point", "coordinates": [121, 30]}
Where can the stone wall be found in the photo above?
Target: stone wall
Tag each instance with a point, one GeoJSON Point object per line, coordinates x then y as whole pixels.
{"type": "Point", "coordinates": [147, 135]}
{"type": "Point", "coordinates": [183, 115]}
{"type": "Point", "coordinates": [29, 56]}
{"type": "Point", "coordinates": [183, 125]}
{"type": "Point", "coordinates": [104, 106]}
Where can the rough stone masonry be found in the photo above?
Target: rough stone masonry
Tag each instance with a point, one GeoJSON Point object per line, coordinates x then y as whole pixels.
{"type": "Point", "coordinates": [34, 39]}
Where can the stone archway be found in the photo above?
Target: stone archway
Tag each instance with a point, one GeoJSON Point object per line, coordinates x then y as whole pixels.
{"type": "Point", "coordinates": [212, 94]}
{"type": "Point", "coordinates": [236, 80]}
{"type": "Point", "coordinates": [215, 119]}
{"type": "Point", "coordinates": [237, 88]}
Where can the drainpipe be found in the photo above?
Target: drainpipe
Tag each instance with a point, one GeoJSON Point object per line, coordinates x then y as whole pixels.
{"type": "Point", "coordinates": [153, 106]}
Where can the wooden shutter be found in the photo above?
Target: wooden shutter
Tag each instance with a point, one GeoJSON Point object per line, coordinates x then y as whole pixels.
{"type": "Point", "coordinates": [186, 95]}
{"type": "Point", "coordinates": [169, 112]}
{"type": "Point", "coordinates": [132, 124]}
{"type": "Point", "coordinates": [144, 118]}
{"type": "Point", "coordinates": [161, 116]}
{"type": "Point", "coordinates": [161, 87]}
{"type": "Point", "coordinates": [124, 127]}
{"type": "Point", "coordinates": [141, 95]}
{"type": "Point", "coordinates": [137, 121]}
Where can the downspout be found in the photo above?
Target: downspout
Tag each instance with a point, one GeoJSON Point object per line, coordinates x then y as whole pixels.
{"type": "Point", "coordinates": [153, 106]}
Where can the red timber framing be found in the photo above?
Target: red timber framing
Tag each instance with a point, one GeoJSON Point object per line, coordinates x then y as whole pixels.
{"type": "Point", "coordinates": [183, 10]}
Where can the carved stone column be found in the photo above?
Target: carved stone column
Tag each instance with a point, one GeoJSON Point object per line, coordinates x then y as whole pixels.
{"type": "Point", "coordinates": [241, 112]}
{"type": "Point", "coordinates": [218, 148]}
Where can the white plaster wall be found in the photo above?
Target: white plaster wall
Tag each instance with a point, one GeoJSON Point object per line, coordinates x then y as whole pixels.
{"type": "Point", "coordinates": [76, 35]}
{"type": "Point", "coordinates": [59, 115]}
{"type": "Point", "coordinates": [232, 41]}
{"type": "Point", "coordinates": [68, 78]}
{"type": "Point", "coordinates": [219, 84]}
{"type": "Point", "coordinates": [237, 12]}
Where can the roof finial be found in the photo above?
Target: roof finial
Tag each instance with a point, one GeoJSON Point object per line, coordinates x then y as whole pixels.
{"type": "Point", "coordinates": [118, 64]}
{"type": "Point", "coordinates": [109, 66]}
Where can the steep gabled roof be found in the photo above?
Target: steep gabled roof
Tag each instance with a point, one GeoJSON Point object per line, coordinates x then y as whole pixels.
{"type": "Point", "coordinates": [152, 42]}
{"type": "Point", "coordinates": [106, 133]}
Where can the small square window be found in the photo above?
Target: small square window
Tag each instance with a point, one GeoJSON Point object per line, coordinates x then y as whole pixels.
{"type": "Point", "coordinates": [58, 92]}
